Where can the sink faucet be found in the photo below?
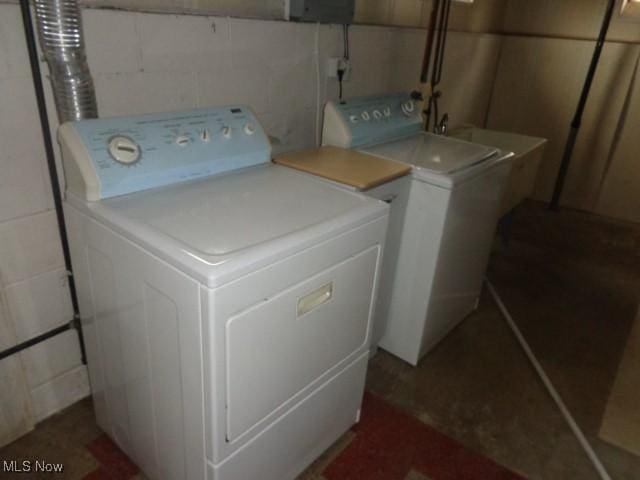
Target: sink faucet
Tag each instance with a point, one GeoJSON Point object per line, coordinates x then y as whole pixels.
{"type": "Point", "coordinates": [442, 126]}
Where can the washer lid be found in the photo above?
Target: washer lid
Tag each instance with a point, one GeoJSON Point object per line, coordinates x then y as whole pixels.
{"type": "Point", "coordinates": [225, 214]}
{"type": "Point", "coordinates": [435, 153]}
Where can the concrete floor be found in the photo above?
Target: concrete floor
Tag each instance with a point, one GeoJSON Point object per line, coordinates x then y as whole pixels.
{"type": "Point", "coordinates": [571, 281]}
{"type": "Point", "coordinates": [477, 386]}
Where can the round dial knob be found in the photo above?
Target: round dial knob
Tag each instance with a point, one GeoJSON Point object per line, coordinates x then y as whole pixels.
{"type": "Point", "coordinates": [183, 140]}
{"type": "Point", "coordinates": [354, 119]}
{"type": "Point", "coordinates": [249, 129]}
{"type": "Point", "coordinates": [365, 116]}
{"type": "Point", "coordinates": [226, 131]}
{"type": "Point", "coordinates": [387, 112]}
{"type": "Point", "coordinates": [124, 150]}
{"type": "Point", "coordinates": [205, 135]}
{"type": "Point", "coordinates": [408, 107]}
{"type": "Point", "coordinates": [377, 115]}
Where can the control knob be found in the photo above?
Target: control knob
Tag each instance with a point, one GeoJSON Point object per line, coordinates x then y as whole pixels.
{"type": "Point", "coordinates": [408, 107]}
{"type": "Point", "coordinates": [183, 140]}
{"type": "Point", "coordinates": [124, 150]}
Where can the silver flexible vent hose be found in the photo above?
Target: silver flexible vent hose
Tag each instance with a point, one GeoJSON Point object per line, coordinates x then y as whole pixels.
{"type": "Point", "coordinates": [61, 40]}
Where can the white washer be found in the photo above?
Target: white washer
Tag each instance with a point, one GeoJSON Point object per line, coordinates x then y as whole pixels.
{"type": "Point", "coordinates": [445, 237]}
{"type": "Point", "coordinates": [226, 302]}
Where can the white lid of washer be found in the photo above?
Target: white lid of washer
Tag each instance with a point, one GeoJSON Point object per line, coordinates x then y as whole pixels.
{"type": "Point", "coordinates": [435, 153]}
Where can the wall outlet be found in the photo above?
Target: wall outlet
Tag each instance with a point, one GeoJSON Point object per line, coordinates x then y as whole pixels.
{"type": "Point", "coordinates": [336, 63]}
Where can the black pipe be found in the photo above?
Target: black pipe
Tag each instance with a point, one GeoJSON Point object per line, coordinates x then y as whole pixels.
{"type": "Point", "coordinates": [438, 61]}
{"type": "Point", "coordinates": [51, 164]}
{"type": "Point", "coordinates": [442, 42]}
{"type": "Point", "coordinates": [35, 340]}
{"type": "Point", "coordinates": [428, 48]}
{"type": "Point", "coordinates": [577, 119]}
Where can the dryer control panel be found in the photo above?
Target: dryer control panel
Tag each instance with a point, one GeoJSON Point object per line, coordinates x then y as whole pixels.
{"type": "Point", "coordinates": [107, 157]}
{"type": "Point", "coordinates": [362, 121]}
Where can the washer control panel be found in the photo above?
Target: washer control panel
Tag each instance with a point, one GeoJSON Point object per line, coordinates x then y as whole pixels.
{"type": "Point", "coordinates": [361, 121]}
{"type": "Point", "coordinates": [107, 157]}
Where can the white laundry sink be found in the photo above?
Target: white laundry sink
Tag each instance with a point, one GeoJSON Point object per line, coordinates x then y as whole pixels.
{"type": "Point", "coordinates": [528, 155]}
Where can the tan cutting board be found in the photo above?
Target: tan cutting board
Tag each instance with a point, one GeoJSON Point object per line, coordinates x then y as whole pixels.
{"type": "Point", "coordinates": [353, 168]}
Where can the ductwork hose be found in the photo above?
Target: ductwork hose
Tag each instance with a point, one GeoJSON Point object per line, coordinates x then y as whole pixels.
{"type": "Point", "coordinates": [61, 40]}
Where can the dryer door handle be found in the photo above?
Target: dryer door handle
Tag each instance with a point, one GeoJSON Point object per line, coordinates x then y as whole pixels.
{"type": "Point", "coordinates": [314, 299]}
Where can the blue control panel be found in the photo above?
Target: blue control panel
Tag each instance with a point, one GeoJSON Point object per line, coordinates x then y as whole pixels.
{"type": "Point", "coordinates": [376, 119]}
{"type": "Point", "coordinates": [130, 154]}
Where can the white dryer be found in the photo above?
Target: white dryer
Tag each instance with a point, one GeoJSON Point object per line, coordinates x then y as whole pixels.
{"type": "Point", "coordinates": [226, 302]}
{"type": "Point", "coordinates": [445, 237]}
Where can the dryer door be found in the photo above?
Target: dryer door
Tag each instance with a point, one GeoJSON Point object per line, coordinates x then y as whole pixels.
{"type": "Point", "coordinates": [283, 344]}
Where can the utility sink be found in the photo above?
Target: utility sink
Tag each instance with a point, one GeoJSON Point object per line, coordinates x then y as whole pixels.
{"type": "Point", "coordinates": [528, 156]}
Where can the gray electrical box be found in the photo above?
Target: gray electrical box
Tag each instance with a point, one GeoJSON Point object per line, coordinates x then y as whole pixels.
{"type": "Point", "coordinates": [326, 11]}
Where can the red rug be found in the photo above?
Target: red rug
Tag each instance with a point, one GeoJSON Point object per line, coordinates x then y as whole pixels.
{"type": "Point", "coordinates": [114, 464]}
{"type": "Point", "coordinates": [388, 445]}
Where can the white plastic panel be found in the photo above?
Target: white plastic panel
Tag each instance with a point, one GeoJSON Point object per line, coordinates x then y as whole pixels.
{"type": "Point", "coordinates": [442, 258]}
{"type": "Point", "coordinates": [77, 244]}
{"type": "Point", "coordinates": [108, 157]}
{"type": "Point", "coordinates": [286, 447]}
{"type": "Point", "coordinates": [414, 274]}
{"type": "Point", "coordinates": [434, 153]}
{"type": "Point", "coordinates": [144, 351]}
{"type": "Point", "coordinates": [464, 253]}
{"type": "Point", "coordinates": [272, 352]}
{"type": "Point", "coordinates": [107, 329]}
{"type": "Point", "coordinates": [396, 194]}
{"type": "Point", "coordinates": [238, 297]}
{"type": "Point", "coordinates": [226, 214]}
{"type": "Point", "coordinates": [361, 121]}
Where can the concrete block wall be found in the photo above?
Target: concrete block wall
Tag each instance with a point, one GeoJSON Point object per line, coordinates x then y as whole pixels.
{"type": "Point", "coordinates": [148, 62]}
{"type": "Point", "coordinates": [34, 290]}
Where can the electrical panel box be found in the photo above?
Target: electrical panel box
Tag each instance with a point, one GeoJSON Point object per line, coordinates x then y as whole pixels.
{"type": "Point", "coordinates": [326, 11]}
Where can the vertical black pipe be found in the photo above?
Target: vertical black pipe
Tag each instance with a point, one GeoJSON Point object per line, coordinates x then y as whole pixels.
{"type": "Point", "coordinates": [442, 43]}
{"type": "Point", "coordinates": [51, 163]}
{"type": "Point", "coordinates": [577, 119]}
{"type": "Point", "coordinates": [428, 48]}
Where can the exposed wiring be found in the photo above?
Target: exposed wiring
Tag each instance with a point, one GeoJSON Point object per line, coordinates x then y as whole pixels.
{"type": "Point", "coordinates": [428, 48]}
{"type": "Point", "coordinates": [442, 42]}
{"type": "Point", "coordinates": [345, 56]}
{"type": "Point", "coordinates": [346, 41]}
{"type": "Point", "coordinates": [319, 92]}
{"type": "Point", "coordinates": [439, 124]}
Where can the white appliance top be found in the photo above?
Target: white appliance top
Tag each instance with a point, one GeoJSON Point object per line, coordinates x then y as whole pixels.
{"type": "Point", "coordinates": [435, 153]}
{"type": "Point", "coordinates": [390, 126]}
{"type": "Point", "coordinates": [198, 189]}
{"type": "Point", "coordinates": [218, 228]}
{"type": "Point", "coordinates": [229, 213]}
